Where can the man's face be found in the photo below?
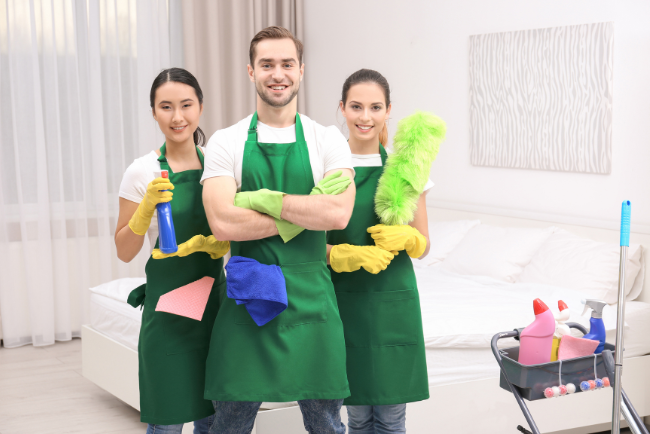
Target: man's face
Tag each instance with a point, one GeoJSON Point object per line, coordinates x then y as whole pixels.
{"type": "Point", "coordinates": [276, 72]}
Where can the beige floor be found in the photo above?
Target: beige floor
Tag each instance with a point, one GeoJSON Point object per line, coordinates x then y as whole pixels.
{"type": "Point", "coordinates": [42, 391]}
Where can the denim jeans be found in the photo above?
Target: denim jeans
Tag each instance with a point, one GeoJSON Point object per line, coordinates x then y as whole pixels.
{"type": "Point", "coordinates": [320, 416]}
{"type": "Point", "coordinates": [200, 427]}
{"type": "Point", "coordinates": [377, 419]}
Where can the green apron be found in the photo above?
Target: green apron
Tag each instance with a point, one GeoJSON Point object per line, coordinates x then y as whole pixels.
{"type": "Point", "coordinates": [380, 313]}
{"type": "Point", "coordinates": [172, 349]}
{"type": "Point", "coordinates": [300, 354]}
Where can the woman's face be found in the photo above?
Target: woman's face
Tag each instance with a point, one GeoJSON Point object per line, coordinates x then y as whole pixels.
{"type": "Point", "coordinates": [177, 111]}
{"type": "Point", "coordinates": [365, 111]}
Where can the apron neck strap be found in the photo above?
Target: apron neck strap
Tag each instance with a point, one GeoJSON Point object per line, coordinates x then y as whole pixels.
{"type": "Point", "coordinates": [164, 164]}
{"type": "Point", "coordinates": [252, 129]}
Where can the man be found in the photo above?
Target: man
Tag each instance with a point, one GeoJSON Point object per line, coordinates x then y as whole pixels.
{"type": "Point", "coordinates": [299, 355]}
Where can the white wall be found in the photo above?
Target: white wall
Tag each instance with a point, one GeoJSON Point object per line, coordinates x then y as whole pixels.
{"type": "Point", "coordinates": [421, 46]}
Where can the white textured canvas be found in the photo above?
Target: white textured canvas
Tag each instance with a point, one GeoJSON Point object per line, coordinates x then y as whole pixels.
{"type": "Point", "coordinates": [542, 99]}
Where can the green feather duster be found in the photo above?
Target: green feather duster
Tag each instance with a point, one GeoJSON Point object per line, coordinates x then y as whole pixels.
{"type": "Point", "coordinates": [415, 145]}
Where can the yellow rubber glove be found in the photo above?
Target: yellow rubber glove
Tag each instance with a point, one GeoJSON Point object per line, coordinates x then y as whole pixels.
{"type": "Point", "coordinates": [399, 237]}
{"type": "Point", "coordinates": [348, 258]}
{"type": "Point", "coordinates": [198, 243]}
{"type": "Point", "coordinates": [141, 219]}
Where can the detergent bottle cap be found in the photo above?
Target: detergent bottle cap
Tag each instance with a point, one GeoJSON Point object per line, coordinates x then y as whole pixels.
{"type": "Point", "coordinates": [561, 305]}
{"type": "Point", "coordinates": [596, 307]}
{"type": "Point", "coordinates": [539, 306]}
{"type": "Point", "coordinates": [164, 174]}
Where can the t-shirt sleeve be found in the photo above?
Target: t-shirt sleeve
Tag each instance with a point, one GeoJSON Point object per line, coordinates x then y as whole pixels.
{"type": "Point", "coordinates": [219, 157]}
{"type": "Point", "coordinates": [428, 186]}
{"type": "Point", "coordinates": [336, 150]}
{"type": "Point", "coordinates": [134, 182]}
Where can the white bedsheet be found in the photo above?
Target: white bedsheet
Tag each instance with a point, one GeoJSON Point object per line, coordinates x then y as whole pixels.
{"type": "Point", "coordinates": [460, 315]}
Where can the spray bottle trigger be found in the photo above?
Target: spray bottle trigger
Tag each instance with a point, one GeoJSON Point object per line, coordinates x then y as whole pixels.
{"type": "Point", "coordinates": [586, 309]}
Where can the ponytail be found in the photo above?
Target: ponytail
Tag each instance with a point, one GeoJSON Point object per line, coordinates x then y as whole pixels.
{"type": "Point", "coordinates": [199, 137]}
{"type": "Point", "coordinates": [383, 136]}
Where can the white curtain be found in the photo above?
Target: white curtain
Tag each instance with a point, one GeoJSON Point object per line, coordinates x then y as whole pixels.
{"type": "Point", "coordinates": [216, 38]}
{"type": "Point", "coordinates": [75, 77]}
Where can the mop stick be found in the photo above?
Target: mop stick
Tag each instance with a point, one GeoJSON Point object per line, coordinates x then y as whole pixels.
{"type": "Point", "coordinates": [618, 357]}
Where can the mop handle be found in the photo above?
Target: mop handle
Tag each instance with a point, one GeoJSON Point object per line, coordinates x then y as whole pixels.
{"type": "Point", "coordinates": [620, 317]}
{"type": "Point", "coordinates": [625, 223]}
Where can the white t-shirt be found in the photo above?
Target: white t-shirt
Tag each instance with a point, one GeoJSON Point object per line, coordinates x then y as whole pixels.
{"type": "Point", "coordinates": [134, 186]}
{"type": "Point", "coordinates": [224, 155]}
{"type": "Point", "coordinates": [374, 160]}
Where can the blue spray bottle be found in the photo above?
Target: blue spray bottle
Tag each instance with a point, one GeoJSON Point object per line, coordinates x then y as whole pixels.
{"type": "Point", "coordinates": [596, 325]}
{"type": "Point", "coordinates": [166, 233]}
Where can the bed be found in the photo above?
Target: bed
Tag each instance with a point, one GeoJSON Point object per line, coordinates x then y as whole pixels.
{"type": "Point", "coordinates": [461, 309]}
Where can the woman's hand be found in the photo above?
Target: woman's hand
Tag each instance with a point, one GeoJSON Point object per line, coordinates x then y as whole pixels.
{"type": "Point", "coordinates": [141, 219]}
{"type": "Point", "coordinates": [399, 237]}
{"type": "Point", "coordinates": [198, 243]}
{"type": "Point", "coordinates": [348, 258]}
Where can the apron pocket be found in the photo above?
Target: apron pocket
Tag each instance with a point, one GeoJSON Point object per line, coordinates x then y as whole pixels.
{"type": "Point", "coordinates": [378, 319]}
{"type": "Point", "coordinates": [183, 334]}
{"type": "Point", "coordinates": [307, 285]}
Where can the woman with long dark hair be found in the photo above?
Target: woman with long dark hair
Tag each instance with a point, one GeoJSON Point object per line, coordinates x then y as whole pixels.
{"type": "Point", "coordinates": [374, 281]}
{"type": "Point", "coordinates": [174, 337]}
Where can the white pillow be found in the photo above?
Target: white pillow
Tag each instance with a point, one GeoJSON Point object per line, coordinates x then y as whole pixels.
{"type": "Point", "coordinates": [582, 264]}
{"type": "Point", "coordinates": [443, 237]}
{"type": "Point", "coordinates": [500, 253]}
{"type": "Point", "coordinates": [119, 289]}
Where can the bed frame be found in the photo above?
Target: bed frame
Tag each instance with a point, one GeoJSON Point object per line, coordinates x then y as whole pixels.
{"type": "Point", "coordinates": [476, 406]}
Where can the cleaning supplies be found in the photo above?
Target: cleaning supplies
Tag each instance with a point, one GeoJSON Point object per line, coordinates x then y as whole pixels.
{"type": "Point", "coordinates": [571, 347]}
{"type": "Point", "coordinates": [561, 328]}
{"type": "Point", "coordinates": [166, 233]}
{"type": "Point", "coordinates": [596, 325]}
{"type": "Point", "coordinates": [537, 339]}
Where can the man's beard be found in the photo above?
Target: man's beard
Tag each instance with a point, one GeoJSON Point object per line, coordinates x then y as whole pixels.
{"type": "Point", "coordinates": [274, 103]}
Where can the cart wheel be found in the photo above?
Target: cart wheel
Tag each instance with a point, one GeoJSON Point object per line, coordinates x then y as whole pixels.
{"type": "Point", "coordinates": [523, 430]}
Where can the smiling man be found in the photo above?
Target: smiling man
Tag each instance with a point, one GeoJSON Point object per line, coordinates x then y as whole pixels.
{"type": "Point", "coordinates": [267, 179]}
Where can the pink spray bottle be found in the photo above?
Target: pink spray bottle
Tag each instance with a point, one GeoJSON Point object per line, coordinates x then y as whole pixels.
{"type": "Point", "coordinates": [537, 339]}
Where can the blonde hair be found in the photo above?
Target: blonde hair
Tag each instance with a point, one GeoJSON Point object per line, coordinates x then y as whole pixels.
{"type": "Point", "coordinates": [274, 32]}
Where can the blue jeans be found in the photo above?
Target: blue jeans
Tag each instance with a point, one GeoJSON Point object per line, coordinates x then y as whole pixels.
{"type": "Point", "coordinates": [320, 416]}
{"type": "Point", "coordinates": [200, 427]}
{"type": "Point", "coordinates": [377, 419]}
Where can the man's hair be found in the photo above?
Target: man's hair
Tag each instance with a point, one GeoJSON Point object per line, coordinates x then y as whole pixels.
{"type": "Point", "coordinates": [274, 32]}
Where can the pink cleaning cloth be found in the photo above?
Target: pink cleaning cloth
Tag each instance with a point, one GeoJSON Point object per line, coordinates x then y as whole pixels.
{"type": "Point", "coordinates": [189, 300]}
{"type": "Point", "coordinates": [571, 347]}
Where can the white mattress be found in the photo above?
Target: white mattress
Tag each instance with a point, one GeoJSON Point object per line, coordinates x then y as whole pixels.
{"type": "Point", "coordinates": [116, 319]}
{"type": "Point", "coordinates": [460, 316]}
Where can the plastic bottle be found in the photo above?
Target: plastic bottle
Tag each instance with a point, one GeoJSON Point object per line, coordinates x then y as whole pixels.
{"type": "Point", "coordinates": [561, 328]}
{"type": "Point", "coordinates": [166, 233]}
{"type": "Point", "coordinates": [596, 325]}
{"type": "Point", "coordinates": [537, 339]}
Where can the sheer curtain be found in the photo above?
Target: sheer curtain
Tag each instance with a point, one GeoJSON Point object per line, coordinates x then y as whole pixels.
{"type": "Point", "coordinates": [74, 113]}
{"type": "Point", "coordinates": [217, 36]}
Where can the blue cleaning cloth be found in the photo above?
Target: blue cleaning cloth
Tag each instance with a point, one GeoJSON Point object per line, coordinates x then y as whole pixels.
{"type": "Point", "coordinates": [261, 288]}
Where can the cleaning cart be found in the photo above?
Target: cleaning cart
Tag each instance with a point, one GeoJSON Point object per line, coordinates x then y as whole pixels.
{"type": "Point", "coordinates": [532, 382]}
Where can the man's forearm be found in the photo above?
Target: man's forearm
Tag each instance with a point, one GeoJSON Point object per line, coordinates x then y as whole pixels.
{"type": "Point", "coordinates": [231, 223]}
{"type": "Point", "coordinates": [238, 224]}
{"type": "Point", "coordinates": [319, 212]}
